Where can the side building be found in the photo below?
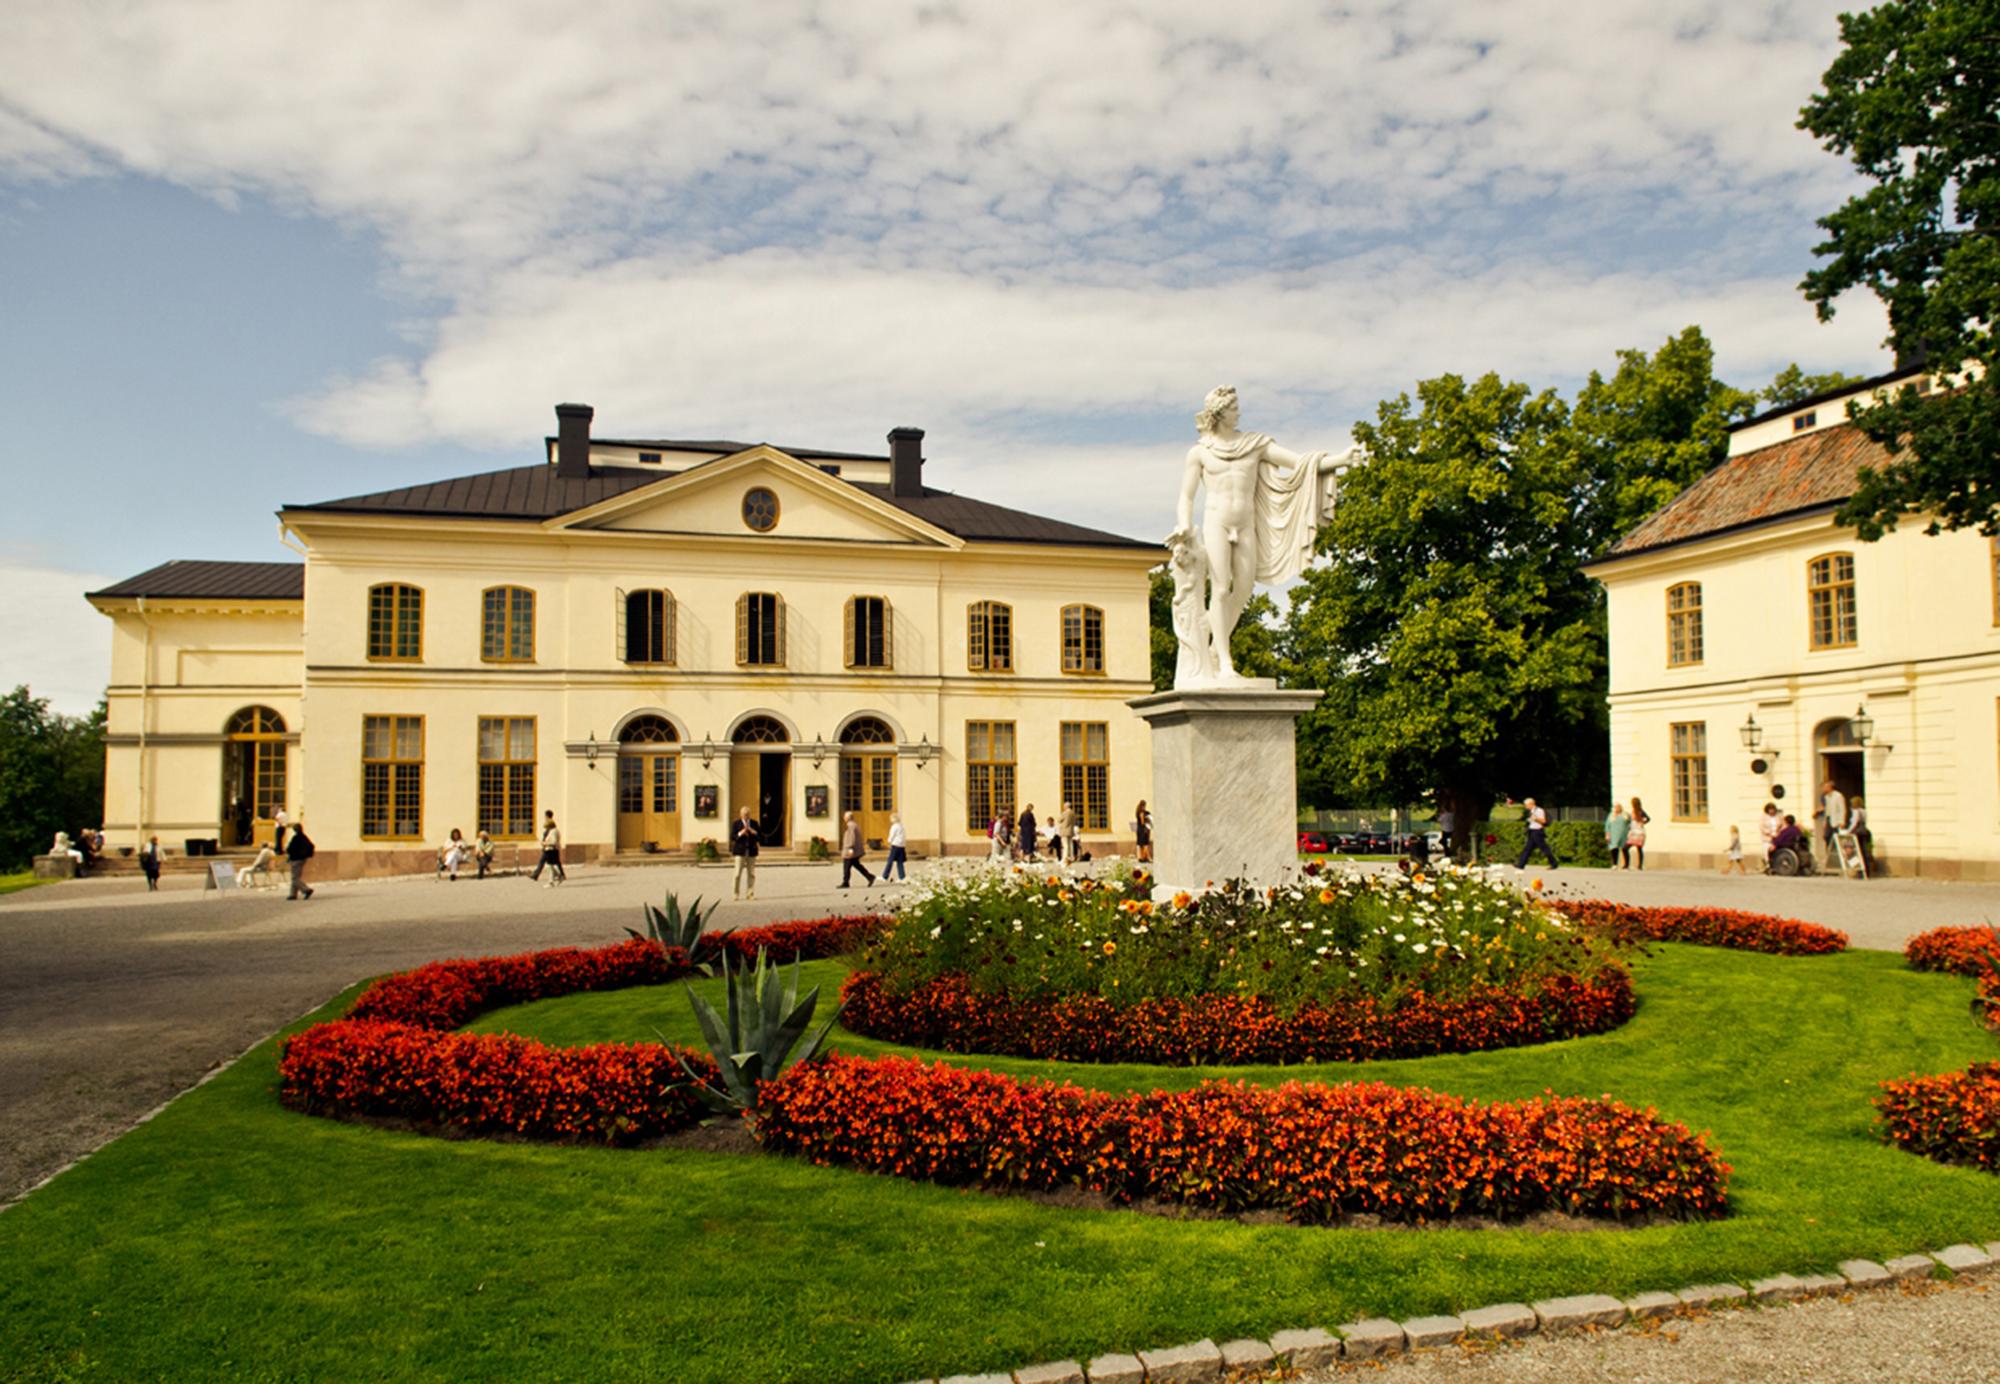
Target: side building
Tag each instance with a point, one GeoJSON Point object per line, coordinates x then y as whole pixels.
{"type": "Point", "coordinates": [1759, 649]}
{"type": "Point", "coordinates": [641, 636]}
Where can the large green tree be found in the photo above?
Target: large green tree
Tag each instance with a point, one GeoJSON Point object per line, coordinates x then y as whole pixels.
{"type": "Point", "coordinates": [51, 775]}
{"type": "Point", "coordinates": [1913, 101]}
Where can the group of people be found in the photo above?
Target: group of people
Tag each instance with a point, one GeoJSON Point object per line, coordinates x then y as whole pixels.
{"type": "Point", "coordinates": [1021, 838]}
{"type": "Point", "coordinates": [1834, 815]}
{"type": "Point", "coordinates": [746, 838]}
{"type": "Point", "coordinates": [478, 852]}
{"type": "Point", "coordinates": [83, 849]}
{"type": "Point", "coordinates": [1625, 835]}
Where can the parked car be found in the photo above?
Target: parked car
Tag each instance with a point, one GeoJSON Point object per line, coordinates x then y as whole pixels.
{"type": "Point", "coordinates": [1313, 843]}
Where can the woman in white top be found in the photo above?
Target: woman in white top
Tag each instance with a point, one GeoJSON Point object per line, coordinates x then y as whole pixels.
{"type": "Point", "coordinates": [899, 858]}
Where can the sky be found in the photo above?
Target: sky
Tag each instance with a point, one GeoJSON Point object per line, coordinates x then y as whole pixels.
{"type": "Point", "coordinates": [255, 252]}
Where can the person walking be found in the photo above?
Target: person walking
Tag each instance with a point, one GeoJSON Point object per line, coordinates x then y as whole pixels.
{"type": "Point", "coordinates": [1538, 836]}
{"type": "Point", "coordinates": [1767, 830]}
{"type": "Point", "coordinates": [298, 850]}
{"type": "Point", "coordinates": [1617, 828]}
{"type": "Point", "coordinates": [149, 861]}
{"type": "Point", "coordinates": [1636, 837]}
{"type": "Point", "coordinates": [1447, 820]}
{"type": "Point", "coordinates": [745, 838]}
{"type": "Point", "coordinates": [1142, 828]}
{"type": "Point", "coordinates": [1071, 827]}
{"type": "Point", "coordinates": [852, 847]}
{"type": "Point", "coordinates": [551, 853]}
{"type": "Point", "coordinates": [899, 855]}
{"type": "Point", "coordinates": [996, 837]}
{"type": "Point", "coordinates": [1026, 836]}
{"type": "Point", "coordinates": [1733, 858]}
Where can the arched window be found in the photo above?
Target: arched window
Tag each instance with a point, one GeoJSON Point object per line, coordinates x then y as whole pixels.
{"type": "Point", "coordinates": [254, 722]}
{"type": "Point", "coordinates": [762, 730]}
{"type": "Point", "coordinates": [760, 630]}
{"type": "Point", "coordinates": [1082, 639]}
{"type": "Point", "coordinates": [395, 623]}
{"type": "Point", "coordinates": [649, 730]}
{"type": "Point", "coordinates": [1684, 624]}
{"type": "Point", "coordinates": [648, 627]}
{"type": "Point", "coordinates": [507, 625]}
{"type": "Point", "coordinates": [1830, 600]}
{"type": "Point", "coordinates": [867, 636]}
{"type": "Point", "coordinates": [867, 730]}
{"type": "Point", "coordinates": [989, 637]}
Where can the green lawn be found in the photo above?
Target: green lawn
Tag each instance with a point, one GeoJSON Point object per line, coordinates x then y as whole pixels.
{"type": "Point", "coordinates": [231, 1238]}
{"type": "Point", "coordinates": [19, 880]}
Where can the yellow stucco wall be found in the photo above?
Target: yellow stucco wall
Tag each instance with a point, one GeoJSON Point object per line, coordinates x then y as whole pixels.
{"type": "Point", "coordinates": [1926, 664]}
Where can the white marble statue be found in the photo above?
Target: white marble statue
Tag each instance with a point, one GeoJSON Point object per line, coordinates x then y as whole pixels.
{"type": "Point", "coordinates": [1265, 505]}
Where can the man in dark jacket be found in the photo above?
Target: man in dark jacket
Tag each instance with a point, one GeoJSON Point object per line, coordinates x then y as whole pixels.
{"type": "Point", "coordinates": [743, 842]}
{"type": "Point", "coordinates": [298, 850]}
{"type": "Point", "coordinates": [1026, 836]}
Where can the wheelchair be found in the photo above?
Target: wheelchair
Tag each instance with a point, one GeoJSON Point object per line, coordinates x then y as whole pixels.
{"type": "Point", "coordinates": [1790, 861]}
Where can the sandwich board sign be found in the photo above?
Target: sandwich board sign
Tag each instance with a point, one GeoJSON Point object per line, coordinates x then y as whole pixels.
{"type": "Point", "coordinates": [221, 875]}
{"type": "Point", "coordinates": [1852, 862]}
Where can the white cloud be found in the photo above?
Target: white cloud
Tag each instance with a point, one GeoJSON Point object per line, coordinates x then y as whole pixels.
{"type": "Point", "coordinates": [54, 641]}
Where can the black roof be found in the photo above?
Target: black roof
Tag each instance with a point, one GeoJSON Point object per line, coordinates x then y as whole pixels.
{"type": "Point", "coordinates": [723, 449]}
{"type": "Point", "coordinates": [261, 581]}
{"type": "Point", "coordinates": [536, 492]}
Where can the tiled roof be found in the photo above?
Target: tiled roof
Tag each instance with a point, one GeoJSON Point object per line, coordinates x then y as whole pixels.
{"type": "Point", "coordinates": [536, 492]}
{"type": "Point", "coordinates": [1814, 470]}
{"type": "Point", "coordinates": [257, 581]}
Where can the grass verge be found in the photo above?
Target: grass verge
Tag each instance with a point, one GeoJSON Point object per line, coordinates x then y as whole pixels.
{"type": "Point", "coordinates": [231, 1238]}
{"type": "Point", "coordinates": [19, 880]}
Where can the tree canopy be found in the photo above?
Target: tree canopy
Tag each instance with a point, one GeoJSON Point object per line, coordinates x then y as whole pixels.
{"type": "Point", "coordinates": [51, 775]}
{"type": "Point", "coordinates": [1913, 101]}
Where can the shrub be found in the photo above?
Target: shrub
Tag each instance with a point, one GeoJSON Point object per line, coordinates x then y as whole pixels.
{"type": "Point", "coordinates": [706, 850]}
{"type": "Point", "coordinates": [1965, 951]}
{"type": "Point", "coordinates": [1575, 843]}
{"type": "Point", "coordinates": [948, 1013]}
{"type": "Point", "coordinates": [1953, 1118]}
{"type": "Point", "coordinates": [1704, 927]}
{"type": "Point", "coordinates": [754, 1043]}
{"type": "Point", "coordinates": [1316, 1153]}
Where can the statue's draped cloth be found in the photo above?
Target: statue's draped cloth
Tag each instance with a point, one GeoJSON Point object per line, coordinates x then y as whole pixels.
{"type": "Point", "coordinates": [1290, 503]}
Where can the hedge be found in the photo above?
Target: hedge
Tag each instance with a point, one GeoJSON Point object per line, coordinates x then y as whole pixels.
{"type": "Point", "coordinates": [1575, 843]}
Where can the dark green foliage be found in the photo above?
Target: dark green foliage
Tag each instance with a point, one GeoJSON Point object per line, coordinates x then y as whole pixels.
{"type": "Point", "coordinates": [51, 775]}
{"type": "Point", "coordinates": [1575, 843]}
{"type": "Point", "coordinates": [766, 1019]}
{"type": "Point", "coordinates": [669, 927]}
{"type": "Point", "coordinates": [1253, 646]}
{"type": "Point", "coordinates": [1913, 102]}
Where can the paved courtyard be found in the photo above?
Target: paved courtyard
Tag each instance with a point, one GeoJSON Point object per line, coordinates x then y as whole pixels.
{"type": "Point", "coordinates": [113, 1000]}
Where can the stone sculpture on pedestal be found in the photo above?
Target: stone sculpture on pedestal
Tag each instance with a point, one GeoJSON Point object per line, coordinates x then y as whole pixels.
{"type": "Point", "coordinates": [1224, 780]}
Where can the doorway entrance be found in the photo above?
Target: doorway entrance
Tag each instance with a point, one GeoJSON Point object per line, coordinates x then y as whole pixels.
{"type": "Point", "coordinates": [649, 785]}
{"type": "Point", "coordinates": [868, 777]}
{"type": "Point", "coordinates": [253, 776]}
{"type": "Point", "coordinates": [1841, 759]}
{"type": "Point", "coordinates": [760, 777]}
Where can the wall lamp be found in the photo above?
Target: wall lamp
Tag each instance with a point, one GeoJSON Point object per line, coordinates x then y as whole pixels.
{"type": "Point", "coordinates": [590, 751]}
{"type": "Point", "coordinates": [1863, 726]}
{"type": "Point", "coordinates": [924, 750]}
{"type": "Point", "coordinates": [819, 750]}
{"type": "Point", "coordinates": [1753, 738]}
{"type": "Point", "coordinates": [707, 749]}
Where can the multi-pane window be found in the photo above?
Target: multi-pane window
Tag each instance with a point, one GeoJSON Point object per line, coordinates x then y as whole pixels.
{"type": "Point", "coordinates": [648, 627]}
{"type": "Point", "coordinates": [507, 625]}
{"type": "Point", "coordinates": [760, 630]}
{"type": "Point", "coordinates": [395, 622]}
{"type": "Point", "coordinates": [1830, 600]}
{"type": "Point", "coordinates": [1684, 624]}
{"type": "Point", "coordinates": [1086, 772]}
{"type": "Point", "coordinates": [1082, 639]}
{"type": "Point", "coordinates": [507, 775]}
{"type": "Point", "coordinates": [989, 637]}
{"type": "Point", "coordinates": [867, 638]}
{"type": "Point", "coordinates": [989, 773]}
{"type": "Point", "coordinates": [392, 777]}
{"type": "Point", "coordinates": [1690, 770]}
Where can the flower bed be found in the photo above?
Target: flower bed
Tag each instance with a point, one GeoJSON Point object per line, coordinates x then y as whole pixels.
{"type": "Point", "coordinates": [1704, 927]}
{"type": "Point", "coordinates": [948, 1013]}
{"type": "Point", "coordinates": [1954, 1117]}
{"type": "Point", "coordinates": [1316, 1153]}
{"type": "Point", "coordinates": [394, 1055]}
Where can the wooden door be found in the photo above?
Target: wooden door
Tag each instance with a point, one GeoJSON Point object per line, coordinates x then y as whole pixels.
{"type": "Point", "coordinates": [649, 800]}
{"type": "Point", "coordinates": [743, 767]}
{"type": "Point", "coordinates": [868, 790]}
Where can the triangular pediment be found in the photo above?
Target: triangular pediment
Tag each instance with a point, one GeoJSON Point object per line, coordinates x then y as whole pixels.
{"type": "Point", "coordinates": [709, 499]}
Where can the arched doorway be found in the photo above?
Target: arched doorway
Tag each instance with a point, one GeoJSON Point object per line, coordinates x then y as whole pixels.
{"type": "Point", "coordinates": [649, 785]}
{"type": "Point", "coordinates": [760, 776]}
{"type": "Point", "coordinates": [1841, 759]}
{"type": "Point", "coordinates": [253, 776]}
{"type": "Point", "coordinates": [868, 776]}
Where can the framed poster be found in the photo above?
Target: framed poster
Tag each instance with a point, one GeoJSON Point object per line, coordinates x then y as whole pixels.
{"type": "Point", "coordinates": [815, 800]}
{"type": "Point", "coordinates": [705, 799]}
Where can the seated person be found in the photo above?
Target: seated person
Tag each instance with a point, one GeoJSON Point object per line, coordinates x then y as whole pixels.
{"type": "Point", "coordinates": [260, 871]}
{"type": "Point", "coordinates": [454, 854]}
{"type": "Point", "coordinates": [482, 853]}
{"type": "Point", "coordinates": [1788, 834]}
{"type": "Point", "coordinates": [63, 846]}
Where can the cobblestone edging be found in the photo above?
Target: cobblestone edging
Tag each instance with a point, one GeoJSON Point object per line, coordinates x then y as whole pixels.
{"type": "Point", "coordinates": [1205, 1362]}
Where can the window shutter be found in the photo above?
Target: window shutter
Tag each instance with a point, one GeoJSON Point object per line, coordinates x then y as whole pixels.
{"type": "Point", "coordinates": [743, 630]}
{"type": "Point", "coordinates": [975, 634]}
{"type": "Point", "coordinates": [848, 642]}
{"type": "Point", "coordinates": [888, 635]}
{"type": "Point", "coordinates": [778, 607]}
{"type": "Point", "coordinates": [621, 617]}
{"type": "Point", "coordinates": [669, 613]}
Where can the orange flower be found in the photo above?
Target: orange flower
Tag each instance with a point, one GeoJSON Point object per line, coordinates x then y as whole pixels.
{"type": "Point", "coordinates": [1110, 948]}
{"type": "Point", "coordinates": [1538, 886]}
{"type": "Point", "coordinates": [1326, 896]}
{"type": "Point", "coordinates": [1183, 899]}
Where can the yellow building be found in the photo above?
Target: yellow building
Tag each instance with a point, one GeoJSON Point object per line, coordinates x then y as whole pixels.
{"type": "Point", "coordinates": [641, 636]}
{"type": "Point", "coordinates": [1758, 650]}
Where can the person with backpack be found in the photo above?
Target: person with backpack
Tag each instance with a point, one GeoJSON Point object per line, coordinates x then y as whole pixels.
{"type": "Point", "coordinates": [298, 850]}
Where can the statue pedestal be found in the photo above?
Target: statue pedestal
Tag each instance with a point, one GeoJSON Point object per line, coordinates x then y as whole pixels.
{"type": "Point", "coordinates": [1225, 783]}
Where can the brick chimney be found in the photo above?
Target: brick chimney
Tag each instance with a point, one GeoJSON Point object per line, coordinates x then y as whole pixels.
{"type": "Point", "coordinates": [906, 462]}
{"type": "Point", "coordinates": [573, 441]}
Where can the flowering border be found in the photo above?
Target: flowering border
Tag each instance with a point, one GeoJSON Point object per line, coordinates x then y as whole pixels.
{"type": "Point", "coordinates": [1953, 1117]}
{"type": "Point", "coordinates": [1317, 1153]}
{"type": "Point", "coordinates": [1233, 1030]}
{"type": "Point", "coordinates": [1704, 927]}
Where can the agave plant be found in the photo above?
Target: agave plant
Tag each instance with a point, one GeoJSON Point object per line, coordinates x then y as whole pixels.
{"type": "Point", "coordinates": [755, 1043]}
{"type": "Point", "coordinates": [671, 928]}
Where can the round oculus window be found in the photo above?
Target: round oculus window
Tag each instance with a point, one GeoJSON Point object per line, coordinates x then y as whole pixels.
{"type": "Point", "coordinates": [760, 510]}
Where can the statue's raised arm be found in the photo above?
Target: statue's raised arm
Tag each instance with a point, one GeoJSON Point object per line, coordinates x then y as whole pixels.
{"type": "Point", "coordinates": [1265, 505]}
